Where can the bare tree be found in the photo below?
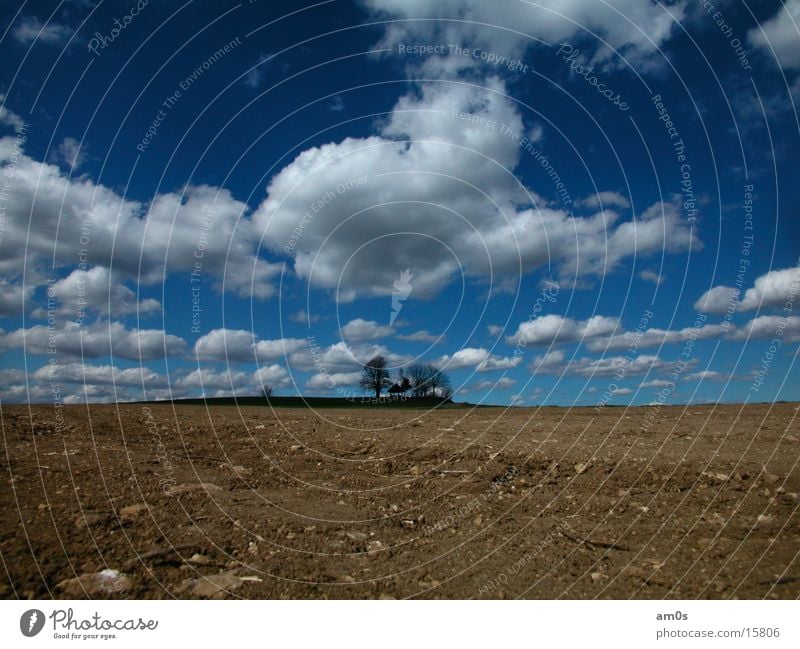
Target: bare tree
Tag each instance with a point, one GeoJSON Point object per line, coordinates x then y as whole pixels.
{"type": "Point", "coordinates": [266, 392]}
{"type": "Point", "coordinates": [375, 376]}
{"type": "Point", "coordinates": [419, 376]}
{"type": "Point", "coordinates": [440, 380]}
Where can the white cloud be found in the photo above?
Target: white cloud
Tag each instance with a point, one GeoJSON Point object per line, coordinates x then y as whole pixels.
{"type": "Point", "coordinates": [717, 300]}
{"type": "Point", "coordinates": [95, 340]}
{"type": "Point", "coordinates": [637, 27]}
{"type": "Point", "coordinates": [342, 357]}
{"type": "Point", "coordinates": [706, 375]}
{"type": "Point", "coordinates": [170, 234]}
{"type": "Point", "coordinates": [769, 326]}
{"type": "Point", "coordinates": [359, 330]}
{"type": "Point", "coordinates": [82, 373]}
{"type": "Point", "coordinates": [551, 329]}
{"type": "Point", "coordinates": [421, 336]}
{"type": "Point", "coordinates": [656, 383]}
{"type": "Point", "coordinates": [30, 29]}
{"type": "Point", "coordinates": [772, 289]}
{"type": "Point", "coordinates": [652, 276]}
{"type": "Point", "coordinates": [96, 290]}
{"type": "Point", "coordinates": [304, 317]}
{"type": "Point", "coordinates": [655, 337]}
{"type": "Point", "coordinates": [11, 297]}
{"type": "Point", "coordinates": [69, 153]}
{"type": "Point", "coordinates": [479, 358]}
{"type": "Point", "coordinates": [503, 383]}
{"type": "Point", "coordinates": [780, 36]}
{"type": "Point", "coordinates": [604, 200]}
{"type": "Point", "coordinates": [228, 381]}
{"type": "Point", "coordinates": [426, 155]}
{"type": "Point", "coordinates": [9, 117]}
{"type": "Point", "coordinates": [238, 345]}
{"type": "Point", "coordinates": [326, 382]}
{"type": "Point", "coordinates": [555, 362]}
{"type": "Point", "coordinates": [273, 375]}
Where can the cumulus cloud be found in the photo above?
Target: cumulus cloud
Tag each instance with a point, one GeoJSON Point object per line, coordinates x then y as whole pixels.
{"type": "Point", "coordinates": [52, 218]}
{"type": "Point", "coordinates": [637, 27]}
{"type": "Point", "coordinates": [93, 341]}
{"type": "Point", "coordinates": [9, 117]}
{"type": "Point", "coordinates": [773, 289]}
{"type": "Point", "coordinates": [551, 329]}
{"type": "Point", "coordinates": [325, 381]}
{"type": "Point", "coordinates": [342, 357]}
{"type": "Point", "coordinates": [359, 330]}
{"type": "Point", "coordinates": [768, 327]}
{"type": "Point", "coordinates": [717, 300]}
{"type": "Point", "coordinates": [556, 363]}
{"type": "Point", "coordinates": [96, 290]}
{"type": "Point", "coordinates": [69, 153]}
{"type": "Point", "coordinates": [447, 181]}
{"type": "Point", "coordinates": [656, 383]}
{"type": "Point", "coordinates": [12, 296]}
{"type": "Point", "coordinates": [82, 373]}
{"type": "Point", "coordinates": [421, 336]}
{"type": "Point", "coordinates": [240, 346]}
{"type": "Point", "coordinates": [503, 383]}
{"type": "Point", "coordinates": [479, 358]}
{"type": "Point", "coordinates": [779, 35]}
{"type": "Point", "coordinates": [655, 337]}
{"type": "Point", "coordinates": [652, 276]}
{"type": "Point", "coordinates": [601, 200]}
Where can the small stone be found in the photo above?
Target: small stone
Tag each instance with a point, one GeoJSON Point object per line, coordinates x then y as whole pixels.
{"type": "Point", "coordinates": [408, 523]}
{"type": "Point", "coordinates": [131, 512]}
{"type": "Point", "coordinates": [374, 548]}
{"type": "Point", "coordinates": [95, 584]}
{"type": "Point", "coordinates": [394, 508]}
{"type": "Point", "coordinates": [581, 467]}
{"type": "Point", "coordinates": [596, 576]}
{"type": "Point", "coordinates": [477, 521]}
{"type": "Point", "coordinates": [771, 478]}
{"type": "Point", "coordinates": [199, 559]}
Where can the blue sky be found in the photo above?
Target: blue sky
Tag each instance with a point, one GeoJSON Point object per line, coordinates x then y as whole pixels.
{"type": "Point", "coordinates": [568, 203]}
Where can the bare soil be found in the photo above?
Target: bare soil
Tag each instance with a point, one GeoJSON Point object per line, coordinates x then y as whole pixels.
{"type": "Point", "coordinates": [192, 502]}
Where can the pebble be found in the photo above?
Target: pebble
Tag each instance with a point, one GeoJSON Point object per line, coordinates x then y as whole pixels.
{"type": "Point", "coordinates": [95, 584]}
{"type": "Point", "coordinates": [131, 512]}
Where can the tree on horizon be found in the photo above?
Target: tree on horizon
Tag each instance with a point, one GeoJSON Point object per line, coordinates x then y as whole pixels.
{"type": "Point", "coordinates": [375, 376]}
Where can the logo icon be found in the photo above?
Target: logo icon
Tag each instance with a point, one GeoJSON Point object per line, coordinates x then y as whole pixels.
{"type": "Point", "coordinates": [402, 289]}
{"type": "Point", "coordinates": [31, 622]}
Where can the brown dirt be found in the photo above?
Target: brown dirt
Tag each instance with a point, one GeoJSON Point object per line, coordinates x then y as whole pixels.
{"type": "Point", "coordinates": [458, 503]}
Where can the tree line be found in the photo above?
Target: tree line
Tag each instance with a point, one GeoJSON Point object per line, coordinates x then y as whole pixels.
{"type": "Point", "coordinates": [420, 380]}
